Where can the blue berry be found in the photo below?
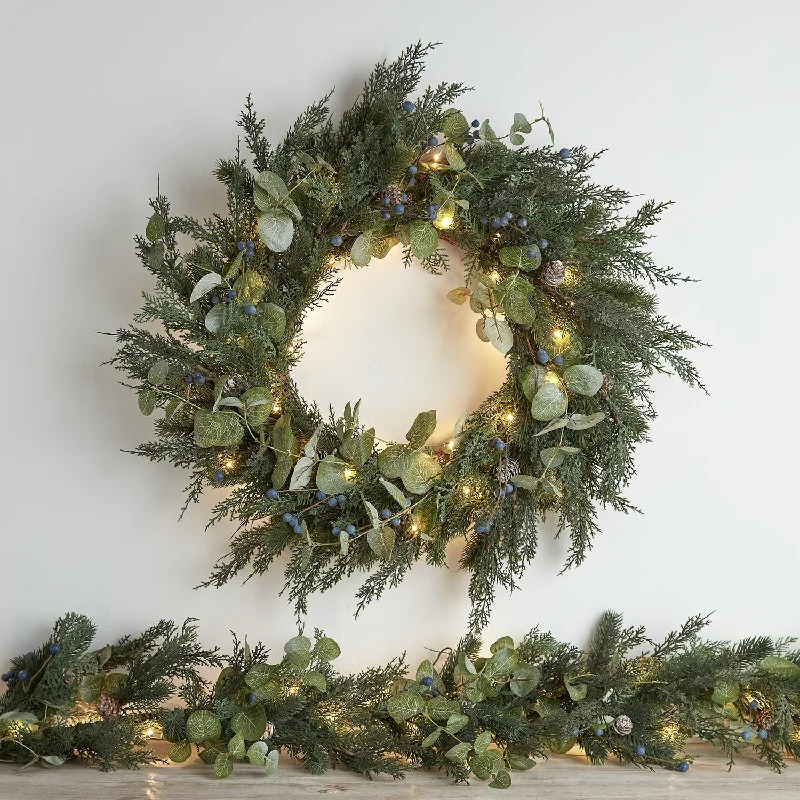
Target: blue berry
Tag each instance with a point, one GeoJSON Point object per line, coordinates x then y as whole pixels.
{"type": "Point", "coordinates": [333, 502]}
{"type": "Point", "coordinates": [435, 206]}
{"type": "Point", "coordinates": [427, 681]}
{"type": "Point", "coordinates": [404, 198]}
{"type": "Point", "coordinates": [762, 734]}
{"type": "Point", "coordinates": [22, 675]}
{"type": "Point", "coordinates": [408, 106]}
{"type": "Point", "coordinates": [564, 153]}
{"type": "Point", "coordinates": [432, 141]}
{"type": "Point", "coordinates": [231, 294]}
{"type": "Point", "coordinates": [395, 523]}
{"type": "Point", "coordinates": [432, 214]}
{"type": "Point", "coordinates": [399, 208]}
{"type": "Point", "coordinates": [272, 494]}
{"type": "Point", "coordinates": [476, 123]}
{"type": "Point", "coordinates": [522, 222]}
{"type": "Point", "coordinates": [508, 215]}
{"type": "Point", "coordinates": [385, 513]}
{"type": "Point", "coordinates": [214, 300]}
{"type": "Point", "coordinates": [197, 374]}
{"type": "Point", "coordinates": [219, 476]}
{"type": "Point", "coordinates": [747, 734]}
{"type": "Point", "coordinates": [543, 244]}
{"type": "Point", "coordinates": [412, 182]}
{"type": "Point", "coordinates": [484, 220]}
{"type": "Point", "coordinates": [320, 495]}
{"type": "Point", "coordinates": [287, 517]}
{"type": "Point", "coordinates": [499, 444]}
{"type": "Point", "coordinates": [599, 732]}
{"type": "Point", "coordinates": [200, 380]}
{"type": "Point", "coordinates": [336, 241]}
{"type": "Point", "coordinates": [297, 528]}
{"type": "Point", "coordinates": [241, 246]}
{"type": "Point", "coordinates": [542, 356]}
{"type": "Point", "coordinates": [509, 488]}
{"type": "Point", "coordinates": [386, 214]}
{"type": "Point", "coordinates": [250, 310]}
{"type": "Point", "coordinates": [251, 698]}
{"type": "Point", "coordinates": [250, 245]}
{"type": "Point", "coordinates": [558, 360]}
{"type": "Point", "coordinates": [341, 499]}
{"type": "Point", "coordinates": [249, 253]}
{"type": "Point", "coordinates": [5, 677]}
{"type": "Point", "coordinates": [496, 222]}
{"type": "Point", "coordinates": [754, 704]}
{"type": "Point", "coordinates": [408, 502]}
{"type": "Point", "coordinates": [336, 530]}
{"type": "Point", "coordinates": [436, 693]}
{"type": "Point", "coordinates": [189, 379]}
{"type": "Point", "coordinates": [530, 252]}
{"type": "Point", "coordinates": [350, 530]}
{"type": "Point", "coordinates": [683, 766]}
{"type": "Point", "coordinates": [640, 751]}
{"type": "Point", "coordinates": [385, 200]}
{"type": "Point", "coordinates": [55, 648]}
{"type": "Point", "coordinates": [504, 222]}
{"type": "Point", "coordinates": [499, 493]}
{"type": "Point", "coordinates": [412, 170]}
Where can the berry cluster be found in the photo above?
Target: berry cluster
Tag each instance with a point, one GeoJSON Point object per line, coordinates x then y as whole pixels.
{"type": "Point", "coordinates": [542, 356]}
{"type": "Point", "coordinates": [226, 297]}
{"type": "Point", "coordinates": [22, 676]}
{"type": "Point", "coordinates": [248, 248]}
{"type": "Point", "coordinates": [195, 378]}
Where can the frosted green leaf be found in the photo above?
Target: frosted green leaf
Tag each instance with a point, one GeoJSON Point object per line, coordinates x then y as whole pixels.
{"type": "Point", "coordinates": [725, 692]}
{"type": "Point", "coordinates": [500, 334]}
{"type": "Point", "coordinates": [298, 644]}
{"type": "Point", "coordinates": [548, 403]}
{"type": "Point", "coordinates": [327, 649]}
{"type": "Point", "coordinates": [552, 457]}
{"type": "Point", "coordinates": [422, 429]}
{"type": "Point", "coordinates": [52, 761]}
{"type": "Point", "coordinates": [274, 318]}
{"type": "Point", "coordinates": [503, 641]}
{"type": "Point", "coordinates": [90, 688]}
{"type": "Point", "coordinates": [404, 705]}
{"type": "Point", "coordinates": [155, 255]}
{"type": "Point", "coordinates": [331, 475]}
{"type": "Point", "coordinates": [236, 746]}
{"type": "Point", "coordinates": [516, 283]}
{"type": "Point", "coordinates": [420, 473]}
{"type": "Point", "coordinates": [517, 257]}
{"type": "Point", "coordinates": [456, 723]}
{"type": "Point", "coordinates": [263, 199]}
{"type": "Point", "coordinates": [382, 246]}
{"type": "Point", "coordinates": [503, 662]}
{"type": "Point", "coordinates": [392, 461]}
{"type": "Point", "coordinates": [518, 308]}
{"type": "Point", "coordinates": [521, 762]}
{"type": "Point", "coordinates": [316, 680]}
{"type": "Point", "coordinates": [782, 667]}
{"type": "Point", "coordinates": [373, 514]}
{"type": "Point", "coordinates": [282, 437]}
{"type": "Point", "coordinates": [480, 329]}
{"type": "Point", "coordinates": [147, 401]}
{"type": "Point", "coordinates": [156, 229]}
{"type": "Point", "coordinates": [486, 131]}
{"type": "Point", "coordinates": [516, 138]}
{"type": "Point", "coordinates": [273, 184]}
{"type": "Point", "coordinates": [208, 282]}
{"type": "Point", "coordinates": [217, 429]}
{"type": "Point", "coordinates": [481, 766]}
{"type": "Point", "coordinates": [260, 679]}
{"type": "Point", "coordinates": [424, 238]}
{"type": "Point", "coordinates": [179, 752]}
{"type": "Point", "coordinates": [311, 445]}
{"type": "Point", "coordinates": [583, 379]}
{"type": "Point", "coordinates": [250, 287]}
{"type": "Point", "coordinates": [215, 318]}
{"type": "Point", "coordinates": [203, 726]}
{"type": "Point", "coordinates": [234, 267]}
{"type": "Point", "coordinates": [344, 545]}
{"type": "Point", "coordinates": [480, 299]}
{"type": "Point", "coordinates": [556, 424]}
{"type": "Point", "coordinates": [532, 378]}
{"type": "Point", "coordinates": [258, 405]}
{"type": "Point", "coordinates": [426, 670]}
{"type": "Point", "coordinates": [461, 422]}
{"type": "Point", "coordinates": [576, 691]}
{"type": "Point", "coordinates": [223, 765]}
{"type": "Point", "coordinates": [276, 230]}
{"type": "Point", "coordinates": [301, 475]}
{"type": "Point", "coordinates": [394, 491]}
{"type": "Point", "coordinates": [454, 124]}
{"type": "Point", "coordinates": [271, 762]}
{"type": "Point", "coordinates": [441, 709]}
{"type": "Point", "coordinates": [158, 373]}
{"type": "Point", "coordinates": [361, 251]}
{"type": "Point", "coordinates": [459, 295]}
{"type": "Point", "coordinates": [525, 679]}
{"type": "Point", "coordinates": [257, 753]}
{"type": "Point", "coordinates": [482, 741]}
{"type": "Point", "coordinates": [581, 422]}
{"type": "Point", "coordinates": [381, 541]}
{"type": "Point", "coordinates": [502, 780]}
{"type": "Point", "coordinates": [453, 157]}
{"type": "Point", "coordinates": [431, 739]}
{"type": "Point", "coordinates": [521, 123]}
{"type": "Point", "coordinates": [458, 753]}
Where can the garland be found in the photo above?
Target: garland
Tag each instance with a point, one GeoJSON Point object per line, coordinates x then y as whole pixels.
{"type": "Point", "coordinates": [554, 270]}
{"type": "Point", "coordinates": [463, 713]}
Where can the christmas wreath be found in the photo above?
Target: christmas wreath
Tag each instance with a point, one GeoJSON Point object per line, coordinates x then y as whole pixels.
{"type": "Point", "coordinates": [471, 713]}
{"type": "Point", "coordinates": [555, 269]}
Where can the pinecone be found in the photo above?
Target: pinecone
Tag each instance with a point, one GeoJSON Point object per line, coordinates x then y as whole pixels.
{"type": "Point", "coordinates": [394, 193]}
{"type": "Point", "coordinates": [763, 719]}
{"type": "Point", "coordinates": [107, 707]}
{"type": "Point", "coordinates": [552, 274]}
{"type": "Point", "coordinates": [622, 725]}
{"type": "Point", "coordinates": [235, 386]}
{"type": "Point", "coordinates": [507, 469]}
{"type": "Point", "coordinates": [608, 383]}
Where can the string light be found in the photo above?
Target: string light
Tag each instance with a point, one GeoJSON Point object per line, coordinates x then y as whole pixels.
{"type": "Point", "coordinates": [558, 335]}
{"type": "Point", "coordinates": [414, 528]}
{"type": "Point", "coordinates": [444, 220]}
{"type": "Point", "coordinates": [276, 409]}
{"type": "Point", "coordinates": [465, 490]}
{"type": "Point", "coordinates": [349, 473]}
{"type": "Point", "coordinates": [149, 733]}
{"type": "Point", "coordinates": [451, 445]}
{"type": "Point", "coordinates": [551, 377]}
{"type": "Point", "coordinates": [510, 417]}
{"type": "Point", "coordinates": [495, 276]}
{"type": "Point", "coordinates": [230, 464]}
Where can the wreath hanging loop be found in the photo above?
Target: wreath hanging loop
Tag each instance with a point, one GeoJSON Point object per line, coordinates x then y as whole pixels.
{"type": "Point", "coordinates": [554, 271]}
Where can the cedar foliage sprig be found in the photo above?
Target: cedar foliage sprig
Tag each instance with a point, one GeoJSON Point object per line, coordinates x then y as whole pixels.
{"type": "Point", "coordinates": [576, 316]}
{"type": "Point", "coordinates": [472, 714]}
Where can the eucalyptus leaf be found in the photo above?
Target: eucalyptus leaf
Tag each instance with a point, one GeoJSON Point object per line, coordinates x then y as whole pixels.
{"type": "Point", "coordinates": [274, 319]}
{"type": "Point", "coordinates": [271, 762]}
{"type": "Point", "coordinates": [301, 475]}
{"type": "Point", "coordinates": [576, 691]}
{"type": "Point", "coordinates": [236, 746]}
{"type": "Point", "coordinates": [234, 267]}
{"type": "Point", "coordinates": [381, 541]}
{"type": "Point", "coordinates": [531, 379]}
{"type": "Point", "coordinates": [156, 228]}
{"type": "Point", "coordinates": [486, 131]}
{"type": "Point", "coordinates": [583, 379]}
{"type": "Point", "coordinates": [454, 124]}
{"type": "Point", "coordinates": [276, 230]}
{"type": "Point", "coordinates": [215, 318]}
{"type": "Point", "coordinates": [554, 425]}
{"type": "Point", "coordinates": [502, 780]}
{"type": "Point", "coordinates": [258, 405]}
{"type": "Point", "coordinates": [480, 329]}
{"type": "Point", "coordinates": [217, 429]}
{"type": "Point", "coordinates": [518, 308]}
{"type": "Point", "coordinates": [424, 238]}
{"type": "Point", "coordinates": [782, 667]}
{"type": "Point", "coordinates": [422, 428]}
{"type": "Point", "coordinates": [331, 475]}
{"type": "Point", "coordinates": [223, 765]}
{"type": "Point", "coordinates": [257, 753]}
{"type": "Point", "coordinates": [179, 752]}
{"type": "Point", "coordinates": [518, 258]}
{"type": "Point", "coordinates": [392, 461]}
{"type": "Point", "coordinates": [548, 403]}
{"type": "Point", "coordinates": [581, 422]}
{"type": "Point", "coordinates": [421, 471]}
{"type": "Point", "coordinates": [273, 184]}
{"type": "Point", "coordinates": [516, 138]}
{"type": "Point", "coordinates": [147, 401]}
{"type": "Point", "coordinates": [202, 726]}
{"type": "Point", "coordinates": [327, 649]}
{"type": "Point", "coordinates": [500, 334]}
{"type": "Point", "coordinates": [310, 449]}
{"type": "Point", "coordinates": [459, 295]}
{"type": "Point", "coordinates": [456, 723]}
{"type": "Point", "coordinates": [552, 457]}
{"type": "Point", "coordinates": [316, 680]}
{"type": "Point", "coordinates": [404, 706]}
{"type": "Point", "coordinates": [458, 752]}
{"type": "Point", "coordinates": [394, 491]}
{"type": "Point", "coordinates": [208, 282]}
{"type": "Point", "coordinates": [361, 250]}
{"type": "Point", "coordinates": [431, 739]}
{"type": "Point", "coordinates": [453, 157]}
{"type": "Point", "coordinates": [250, 287]}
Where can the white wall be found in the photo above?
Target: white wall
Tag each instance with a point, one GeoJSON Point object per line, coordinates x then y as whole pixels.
{"type": "Point", "coordinates": [695, 101]}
